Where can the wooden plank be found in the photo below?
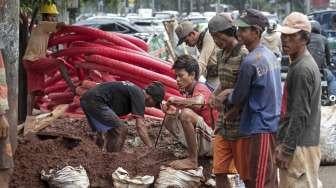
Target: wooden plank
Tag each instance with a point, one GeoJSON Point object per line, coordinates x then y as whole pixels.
{"type": "Point", "coordinates": [37, 123]}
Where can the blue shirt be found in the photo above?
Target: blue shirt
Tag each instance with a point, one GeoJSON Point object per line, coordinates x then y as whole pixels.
{"type": "Point", "coordinates": [258, 90]}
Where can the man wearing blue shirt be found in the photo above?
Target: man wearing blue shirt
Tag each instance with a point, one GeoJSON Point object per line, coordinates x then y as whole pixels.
{"type": "Point", "coordinates": [258, 94]}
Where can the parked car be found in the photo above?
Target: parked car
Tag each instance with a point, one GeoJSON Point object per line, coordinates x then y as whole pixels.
{"type": "Point", "coordinates": [209, 15]}
{"type": "Point", "coordinates": [115, 24]}
{"type": "Point", "coordinates": [166, 15]}
{"type": "Point", "coordinates": [200, 22]}
{"type": "Point", "coordinates": [150, 25]}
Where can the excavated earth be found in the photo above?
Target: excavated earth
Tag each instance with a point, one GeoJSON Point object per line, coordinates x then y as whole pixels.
{"type": "Point", "coordinates": [69, 141]}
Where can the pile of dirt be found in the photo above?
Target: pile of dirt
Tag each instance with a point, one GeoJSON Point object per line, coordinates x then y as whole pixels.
{"type": "Point", "coordinates": [54, 149]}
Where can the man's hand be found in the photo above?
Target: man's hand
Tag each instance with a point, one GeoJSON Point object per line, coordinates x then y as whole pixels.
{"type": "Point", "coordinates": [211, 101]}
{"type": "Point", "coordinates": [282, 160]}
{"type": "Point", "coordinates": [168, 109]}
{"type": "Point", "coordinates": [174, 101]}
{"type": "Point", "coordinates": [4, 126]}
{"type": "Point", "coordinates": [142, 131]}
{"type": "Point", "coordinates": [220, 98]}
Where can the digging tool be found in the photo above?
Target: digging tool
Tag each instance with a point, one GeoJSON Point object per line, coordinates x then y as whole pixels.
{"type": "Point", "coordinates": [157, 138]}
{"type": "Point", "coordinates": [66, 77]}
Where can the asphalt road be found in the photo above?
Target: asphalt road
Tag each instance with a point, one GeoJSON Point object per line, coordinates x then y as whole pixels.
{"type": "Point", "coordinates": [328, 176]}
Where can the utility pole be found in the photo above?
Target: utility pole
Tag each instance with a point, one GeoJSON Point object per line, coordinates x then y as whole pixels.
{"type": "Point", "coordinates": [179, 6]}
{"type": "Point", "coordinates": [307, 3]}
{"type": "Point", "coordinates": [191, 5]}
{"type": "Point", "coordinates": [9, 37]}
{"type": "Point", "coordinates": [153, 5]}
{"type": "Point", "coordinates": [73, 8]}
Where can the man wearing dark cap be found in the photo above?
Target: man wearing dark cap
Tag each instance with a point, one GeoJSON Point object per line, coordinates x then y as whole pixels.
{"type": "Point", "coordinates": [228, 142]}
{"type": "Point", "coordinates": [258, 92]}
{"type": "Point", "coordinates": [105, 103]}
{"type": "Point", "coordinates": [203, 41]}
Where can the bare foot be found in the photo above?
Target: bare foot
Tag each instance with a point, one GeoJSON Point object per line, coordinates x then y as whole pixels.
{"type": "Point", "coordinates": [184, 164]}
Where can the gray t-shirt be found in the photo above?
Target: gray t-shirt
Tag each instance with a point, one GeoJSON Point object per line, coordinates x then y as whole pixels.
{"type": "Point", "coordinates": [300, 124]}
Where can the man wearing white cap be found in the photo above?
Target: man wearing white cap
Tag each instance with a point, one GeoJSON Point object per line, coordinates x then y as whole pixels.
{"type": "Point", "coordinates": [297, 153]}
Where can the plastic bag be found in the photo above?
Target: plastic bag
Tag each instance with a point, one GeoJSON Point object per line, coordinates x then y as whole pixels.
{"type": "Point", "coordinates": [235, 181]}
{"type": "Point", "coordinates": [121, 179]}
{"type": "Point", "coordinates": [68, 177]}
{"type": "Point", "coordinates": [169, 177]}
{"type": "Point", "coordinates": [328, 134]}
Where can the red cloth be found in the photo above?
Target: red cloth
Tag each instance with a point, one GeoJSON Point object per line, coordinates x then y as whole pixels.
{"type": "Point", "coordinates": [36, 70]}
{"type": "Point", "coordinates": [284, 101]}
{"type": "Point", "coordinates": [209, 115]}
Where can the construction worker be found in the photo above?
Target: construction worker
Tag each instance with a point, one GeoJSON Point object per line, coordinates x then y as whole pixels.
{"type": "Point", "coordinates": [298, 153]}
{"type": "Point", "coordinates": [271, 38]}
{"type": "Point", "coordinates": [228, 142]}
{"type": "Point", "coordinates": [207, 61]}
{"type": "Point", "coordinates": [258, 92]}
{"type": "Point", "coordinates": [36, 60]}
{"type": "Point", "coordinates": [319, 48]}
{"type": "Point", "coordinates": [104, 103]}
{"type": "Point", "coordinates": [49, 12]}
{"type": "Point", "coordinates": [190, 119]}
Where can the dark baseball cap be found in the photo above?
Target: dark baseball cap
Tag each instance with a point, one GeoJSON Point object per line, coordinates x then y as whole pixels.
{"type": "Point", "coordinates": [252, 17]}
{"type": "Point", "coordinates": [182, 30]}
{"type": "Point", "coordinates": [156, 91]}
{"type": "Point", "coordinates": [219, 23]}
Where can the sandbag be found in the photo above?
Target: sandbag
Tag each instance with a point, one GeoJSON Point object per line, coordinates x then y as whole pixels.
{"type": "Point", "coordinates": [169, 177]}
{"type": "Point", "coordinates": [328, 134]}
{"type": "Point", "coordinates": [68, 177]}
{"type": "Point", "coordinates": [121, 179]}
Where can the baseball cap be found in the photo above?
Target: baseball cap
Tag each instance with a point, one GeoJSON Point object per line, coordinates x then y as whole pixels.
{"type": "Point", "coordinates": [182, 30]}
{"type": "Point", "coordinates": [156, 91]}
{"type": "Point", "coordinates": [252, 17]}
{"type": "Point", "coordinates": [294, 23]}
{"type": "Point", "coordinates": [219, 23]}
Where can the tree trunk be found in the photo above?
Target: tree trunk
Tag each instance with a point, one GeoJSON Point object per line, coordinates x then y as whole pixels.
{"type": "Point", "coordinates": [9, 35]}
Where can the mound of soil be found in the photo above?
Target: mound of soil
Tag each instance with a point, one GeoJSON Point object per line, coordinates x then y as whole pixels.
{"type": "Point", "coordinates": [71, 142]}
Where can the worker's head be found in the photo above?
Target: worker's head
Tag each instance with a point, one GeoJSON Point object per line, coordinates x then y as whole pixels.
{"type": "Point", "coordinates": [315, 27]}
{"type": "Point", "coordinates": [49, 12]}
{"type": "Point", "coordinates": [222, 30]}
{"type": "Point", "coordinates": [154, 94]}
{"type": "Point", "coordinates": [187, 71]}
{"type": "Point", "coordinates": [186, 33]}
{"type": "Point", "coordinates": [295, 34]}
{"type": "Point", "coordinates": [251, 24]}
{"type": "Point", "coordinates": [272, 26]}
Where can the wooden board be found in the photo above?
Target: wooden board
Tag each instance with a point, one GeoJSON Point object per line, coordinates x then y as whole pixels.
{"type": "Point", "coordinates": [37, 123]}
